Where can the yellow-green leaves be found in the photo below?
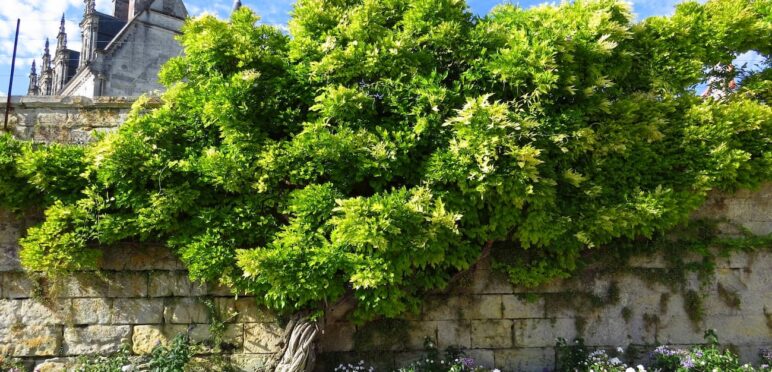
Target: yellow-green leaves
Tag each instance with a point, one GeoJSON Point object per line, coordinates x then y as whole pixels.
{"type": "Point", "coordinates": [377, 149]}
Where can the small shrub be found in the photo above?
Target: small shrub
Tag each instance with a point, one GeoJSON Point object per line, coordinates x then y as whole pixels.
{"type": "Point", "coordinates": [453, 361]}
{"type": "Point", "coordinates": [171, 358]}
{"type": "Point", "coordinates": [570, 355]}
{"type": "Point", "coordinates": [704, 358]}
{"type": "Point", "coordinates": [117, 362]}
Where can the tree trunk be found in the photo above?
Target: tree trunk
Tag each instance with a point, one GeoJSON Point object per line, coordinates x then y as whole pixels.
{"type": "Point", "coordinates": [297, 354]}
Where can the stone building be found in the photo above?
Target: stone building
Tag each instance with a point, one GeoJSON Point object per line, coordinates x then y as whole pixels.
{"type": "Point", "coordinates": [121, 53]}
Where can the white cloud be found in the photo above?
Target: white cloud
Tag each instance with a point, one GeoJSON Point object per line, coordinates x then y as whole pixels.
{"type": "Point", "coordinates": [39, 19]}
{"type": "Point", "coordinates": [751, 60]}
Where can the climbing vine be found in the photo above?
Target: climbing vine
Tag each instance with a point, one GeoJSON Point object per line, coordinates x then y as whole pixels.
{"type": "Point", "coordinates": [387, 146]}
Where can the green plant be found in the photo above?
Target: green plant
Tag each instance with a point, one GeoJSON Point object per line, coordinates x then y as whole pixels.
{"type": "Point", "coordinates": [709, 357]}
{"type": "Point", "coordinates": [453, 361]}
{"type": "Point", "coordinates": [570, 355]}
{"type": "Point", "coordinates": [704, 358]}
{"type": "Point", "coordinates": [9, 364]}
{"type": "Point", "coordinates": [373, 160]}
{"type": "Point", "coordinates": [171, 358]}
{"type": "Point", "coordinates": [105, 363]}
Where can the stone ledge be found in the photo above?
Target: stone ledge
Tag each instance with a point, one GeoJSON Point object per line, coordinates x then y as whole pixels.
{"type": "Point", "coordinates": [25, 102]}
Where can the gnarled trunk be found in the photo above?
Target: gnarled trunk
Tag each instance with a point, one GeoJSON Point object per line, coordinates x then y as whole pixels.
{"type": "Point", "coordinates": [297, 354]}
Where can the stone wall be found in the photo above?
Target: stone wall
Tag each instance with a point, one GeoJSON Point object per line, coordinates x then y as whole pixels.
{"type": "Point", "coordinates": [65, 119]}
{"type": "Point", "coordinates": [142, 297]}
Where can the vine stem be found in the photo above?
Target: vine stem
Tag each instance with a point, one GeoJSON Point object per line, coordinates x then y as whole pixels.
{"type": "Point", "coordinates": [297, 353]}
{"type": "Point", "coordinates": [486, 252]}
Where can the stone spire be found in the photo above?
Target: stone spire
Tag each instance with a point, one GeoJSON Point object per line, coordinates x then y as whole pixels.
{"type": "Point", "coordinates": [33, 89]}
{"type": "Point", "coordinates": [61, 39]}
{"type": "Point", "coordinates": [46, 73]}
{"type": "Point", "coordinates": [236, 5]}
{"type": "Point", "coordinates": [90, 6]}
{"type": "Point", "coordinates": [46, 58]}
{"type": "Point", "coordinates": [89, 28]}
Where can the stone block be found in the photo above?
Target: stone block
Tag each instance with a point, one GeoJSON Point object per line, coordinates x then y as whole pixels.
{"type": "Point", "coordinates": [491, 282]}
{"type": "Point", "coordinates": [185, 311]}
{"type": "Point", "coordinates": [605, 330]}
{"type": "Point", "coordinates": [82, 285]}
{"type": "Point", "coordinates": [679, 330]}
{"type": "Point", "coordinates": [91, 310]}
{"type": "Point", "coordinates": [144, 338]}
{"type": "Point", "coordinates": [446, 307]}
{"type": "Point", "coordinates": [655, 261]}
{"type": "Point", "coordinates": [262, 338]}
{"type": "Point", "coordinates": [454, 333]}
{"type": "Point", "coordinates": [485, 307]}
{"type": "Point", "coordinates": [30, 340]}
{"type": "Point", "coordinates": [232, 336]}
{"type": "Point", "coordinates": [139, 257]}
{"type": "Point", "coordinates": [137, 311]}
{"type": "Point", "coordinates": [543, 332]}
{"type": "Point", "coordinates": [463, 307]}
{"type": "Point", "coordinates": [735, 260]}
{"type": "Point", "coordinates": [516, 307]}
{"type": "Point", "coordinates": [525, 359]}
{"type": "Point", "coordinates": [482, 358]}
{"type": "Point", "coordinates": [219, 290]}
{"type": "Point", "coordinates": [249, 312]}
{"type": "Point", "coordinates": [170, 283]}
{"type": "Point", "coordinates": [491, 334]}
{"type": "Point", "coordinates": [9, 257]}
{"type": "Point", "coordinates": [759, 228]}
{"type": "Point", "coordinates": [337, 337]}
{"type": "Point", "coordinates": [128, 284]}
{"type": "Point", "coordinates": [199, 289]}
{"type": "Point", "coordinates": [34, 312]}
{"type": "Point", "coordinates": [226, 308]}
{"type": "Point", "coordinates": [419, 332]}
{"type": "Point", "coordinates": [741, 330]}
{"type": "Point", "coordinates": [250, 362]}
{"type": "Point", "coordinates": [56, 365]}
{"type": "Point", "coordinates": [95, 339]}
{"type": "Point", "coordinates": [10, 311]}
{"type": "Point", "coordinates": [17, 285]}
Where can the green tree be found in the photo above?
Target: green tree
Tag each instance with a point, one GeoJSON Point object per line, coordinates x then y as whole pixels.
{"type": "Point", "coordinates": [386, 146]}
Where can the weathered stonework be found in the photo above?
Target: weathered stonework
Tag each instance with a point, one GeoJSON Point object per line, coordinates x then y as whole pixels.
{"type": "Point", "coordinates": [64, 119]}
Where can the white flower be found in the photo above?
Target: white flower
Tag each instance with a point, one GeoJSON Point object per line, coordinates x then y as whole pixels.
{"type": "Point", "coordinates": [496, 370]}
{"type": "Point", "coordinates": [615, 361]}
{"type": "Point", "coordinates": [127, 368]}
{"type": "Point", "coordinates": [629, 369]}
{"type": "Point", "coordinates": [620, 350]}
{"type": "Point", "coordinates": [640, 368]}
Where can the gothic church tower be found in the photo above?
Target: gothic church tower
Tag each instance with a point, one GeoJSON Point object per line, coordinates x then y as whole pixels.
{"type": "Point", "coordinates": [33, 89]}
{"type": "Point", "coordinates": [121, 53]}
{"type": "Point", "coordinates": [61, 59]}
{"type": "Point", "coordinates": [89, 31]}
{"type": "Point", "coordinates": [46, 72]}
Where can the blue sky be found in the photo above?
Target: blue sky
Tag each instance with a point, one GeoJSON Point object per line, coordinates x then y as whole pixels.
{"type": "Point", "coordinates": [40, 19]}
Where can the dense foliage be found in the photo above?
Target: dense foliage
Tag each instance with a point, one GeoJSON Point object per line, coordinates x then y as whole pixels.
{"type": "Point", "coordinates": [385, 145]}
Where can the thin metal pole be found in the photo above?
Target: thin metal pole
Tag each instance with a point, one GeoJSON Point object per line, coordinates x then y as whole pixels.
{"type": "Point", "coordinates": [10, 81]}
